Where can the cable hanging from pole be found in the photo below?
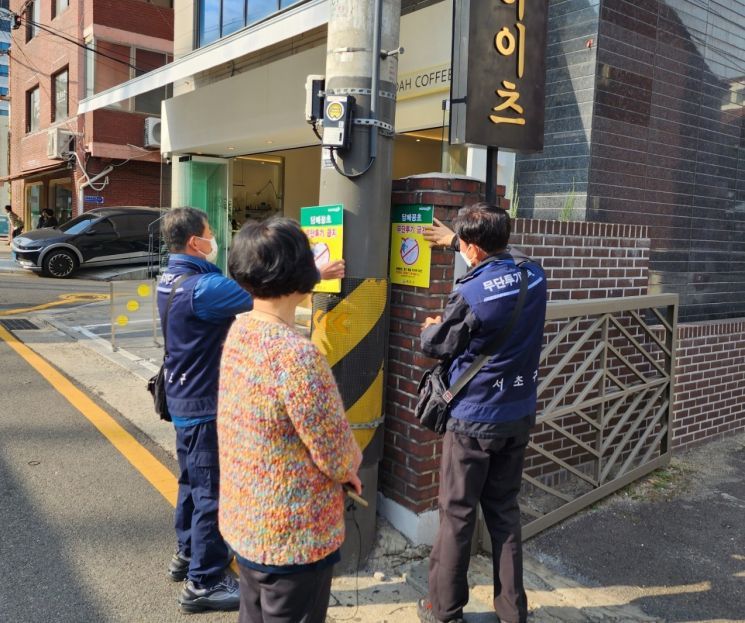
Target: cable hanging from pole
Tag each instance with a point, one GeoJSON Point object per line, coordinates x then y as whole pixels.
{"type": "Point", "coordinates": [350, 176]}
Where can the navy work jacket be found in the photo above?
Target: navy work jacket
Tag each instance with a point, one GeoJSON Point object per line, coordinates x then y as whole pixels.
{"type": "Point", "coordinates": [504, 390]}
{"type": "Point", "coordinates": [200, 316]}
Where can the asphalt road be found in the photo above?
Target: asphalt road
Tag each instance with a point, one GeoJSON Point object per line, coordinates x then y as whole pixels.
{"type": "Point", "coordinates": [23, 290]}
{"type": "Point", "coordinates": [85, 538]}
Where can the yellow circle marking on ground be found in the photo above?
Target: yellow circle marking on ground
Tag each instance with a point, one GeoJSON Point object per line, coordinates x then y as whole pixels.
{"type": "Point", "coordinates": [122, 320]}
{"type": "Point", "coordinates": [143, 290]}
{"type": "Point", "coordinates": [133, 305]}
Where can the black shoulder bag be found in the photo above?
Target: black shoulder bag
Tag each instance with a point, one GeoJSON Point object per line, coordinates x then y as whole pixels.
{"type": "Point", "coordinates": [435, 396]}
{"type": "Point", "coordinates": [157, 384]}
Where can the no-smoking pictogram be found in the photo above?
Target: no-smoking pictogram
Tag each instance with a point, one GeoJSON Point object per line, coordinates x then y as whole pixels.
{"type": "Point", "coordinates": [409, 251]}
{"type": "Point", "coordinates": [321, 254]}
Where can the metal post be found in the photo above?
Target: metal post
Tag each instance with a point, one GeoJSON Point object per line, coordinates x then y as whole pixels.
{"type": "Point", "coordinates": [492, 168]}
{"type": "Point", "coordinates": [154, 306]}
{"type": "Point", "coordinates": [113, 315]}
{"type": "Point", "coordinates": [351, 327]}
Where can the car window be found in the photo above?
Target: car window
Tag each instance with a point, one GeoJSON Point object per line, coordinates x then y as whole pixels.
{"type": "Point", "coordinates": [133, 224]}
{"type": "Point", "coordinates": [104, 226]}
{"type": "Point", "coordinates": [78, 224]}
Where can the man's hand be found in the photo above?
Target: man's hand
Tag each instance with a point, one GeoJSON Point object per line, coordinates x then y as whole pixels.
{"type": "Point", "coordinates": [333, 270]}
{"type": "Point", "coordinates": [428, 322]}
{"type": "Point", "coordinates": [355, 483]}
{"type": "Point", "coordinates": [438, 234]}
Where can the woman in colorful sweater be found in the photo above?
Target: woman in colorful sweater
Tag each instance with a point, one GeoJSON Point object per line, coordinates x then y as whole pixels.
{"type": "Point", "coordinates": [285, 445]}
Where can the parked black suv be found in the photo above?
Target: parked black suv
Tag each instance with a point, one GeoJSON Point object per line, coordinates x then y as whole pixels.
{"type": "Point", "coordinates": [100, 237]}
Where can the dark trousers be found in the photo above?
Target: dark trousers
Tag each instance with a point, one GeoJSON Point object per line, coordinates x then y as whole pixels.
{"type": "Point", "coordinates": [489, 472]}
{"type": "Point", "coordinates": [284, 598]}
{"type": "Point", "coordinates": [196, 508]}
{"type": "Point", "coordinates": [17, 231]}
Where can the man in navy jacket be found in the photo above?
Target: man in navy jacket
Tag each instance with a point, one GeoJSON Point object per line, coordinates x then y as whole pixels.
{"type": "Point", "coordinates": [488, 430]}
{"type": "Point", "coordinates": [202, 310]}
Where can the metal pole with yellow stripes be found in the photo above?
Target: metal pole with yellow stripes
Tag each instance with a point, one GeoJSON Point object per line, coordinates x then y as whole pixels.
{"type": "Point", "coordinates": [351, 327]}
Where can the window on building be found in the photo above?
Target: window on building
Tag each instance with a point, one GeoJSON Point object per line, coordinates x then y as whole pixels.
{"type": "Point", "coordinates": [60, 99]}
{"type": "Point", "coordinates": [32, 110]}
{"type": "Point", "coordinates": [58, 6]}
{"type": "Point", "coordinates": [219, 18]}
{"type": "Point", "coordinates": [105, 70]}
{"type": "Point", "coordinates": [146, 61]}
{"type": "Point", "coordinates": [33, 17]}
{"type": "Point", "coordinates": [3, 70]}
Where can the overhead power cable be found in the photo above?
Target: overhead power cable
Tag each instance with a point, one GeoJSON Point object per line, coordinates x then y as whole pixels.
{"type": "Point", "coordinates": [84, 46]}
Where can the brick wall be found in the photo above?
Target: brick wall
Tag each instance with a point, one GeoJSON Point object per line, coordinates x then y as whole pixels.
{"type": "Point", "coordinates": [709, 381]}
{"type": "Point", "coordinates": [133, 184]}
{"type": "Point", "coordinates": [582, 260]}
{"type": "Point", "coordinates": [132, 15]}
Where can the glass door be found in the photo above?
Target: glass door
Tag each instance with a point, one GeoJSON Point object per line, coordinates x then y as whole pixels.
{"type": "Point", "coordinates": [203, 183]}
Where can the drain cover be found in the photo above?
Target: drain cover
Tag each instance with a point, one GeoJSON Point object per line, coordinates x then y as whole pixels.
{"type": "Point", "coordinates": [18, 324]}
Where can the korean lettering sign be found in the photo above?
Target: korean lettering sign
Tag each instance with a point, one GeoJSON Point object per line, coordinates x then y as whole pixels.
{"type": "Point", "coordinates": [499, 73]}
{"type": "Point", "coordinates": [411, 255]}
{"type": "Point", "coordinates": [324, 226]}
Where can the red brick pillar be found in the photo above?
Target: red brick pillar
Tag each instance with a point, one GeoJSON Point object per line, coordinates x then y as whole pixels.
{"type": "Point", "coordinates": [409, 471]}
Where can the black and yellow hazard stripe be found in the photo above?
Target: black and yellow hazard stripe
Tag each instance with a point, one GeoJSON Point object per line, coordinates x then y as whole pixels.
{"type": "Point", "coordinates": [350, 329]}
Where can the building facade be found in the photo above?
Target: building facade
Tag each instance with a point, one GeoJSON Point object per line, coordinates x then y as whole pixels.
{"type": "Point", "coordinates": [63, 51]}
{"type": "Point", "coordinates": [5, 26]}
{"type": "Point", "coordinates": [644, 128]}
{"type": "Point", "coordinates": [645, 125]}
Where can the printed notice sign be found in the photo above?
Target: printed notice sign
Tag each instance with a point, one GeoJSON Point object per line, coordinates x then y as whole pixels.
{"type": "Point", "coordinates": [410, 253]}
{"type": "Point", "coordinates": [324, 226]}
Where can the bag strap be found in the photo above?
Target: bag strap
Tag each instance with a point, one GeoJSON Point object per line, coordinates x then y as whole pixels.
{"type": "Point", "coordinates": [479, 362]}
{"type": "Point", "coordinates": [164, 327]}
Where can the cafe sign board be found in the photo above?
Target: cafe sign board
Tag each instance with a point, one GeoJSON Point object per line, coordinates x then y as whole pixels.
{"type": "Point", "coordinates": [499, 73]}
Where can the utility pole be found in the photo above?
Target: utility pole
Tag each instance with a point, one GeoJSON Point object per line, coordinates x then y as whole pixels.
{"type": "Point", "coordinates": [351, 328]}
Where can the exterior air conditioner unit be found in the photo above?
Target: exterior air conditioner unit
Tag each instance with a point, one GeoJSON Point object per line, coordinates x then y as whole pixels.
{"type": "Point", "coordinates": [59, 143]}
{"type": "Point", "coordinates": [152, 132]}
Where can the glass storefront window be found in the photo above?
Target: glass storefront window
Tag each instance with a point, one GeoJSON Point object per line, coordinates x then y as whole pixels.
{"type": "Point", "coordinates": [61, 199]}
{"type": "Point", "coordinates": [33, 203]}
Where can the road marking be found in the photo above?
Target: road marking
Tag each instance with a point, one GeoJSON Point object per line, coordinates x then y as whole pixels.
{"type": "Point", "coordinates": [157, 474]}
{"type": "Point", "coordinates": [64, 299]}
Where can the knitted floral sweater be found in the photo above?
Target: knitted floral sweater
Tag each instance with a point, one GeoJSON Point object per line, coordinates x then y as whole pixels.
{"type": "Point", "coordinates": [285, 447]}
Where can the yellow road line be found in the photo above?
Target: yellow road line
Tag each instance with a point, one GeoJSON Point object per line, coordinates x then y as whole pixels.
{"type": "Point", "coordinates": [141, 459]}
{"type": "Point", "coordinates": [64, 299]}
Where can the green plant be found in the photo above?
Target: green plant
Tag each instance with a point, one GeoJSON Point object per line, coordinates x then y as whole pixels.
{"type": "Point", "coordinates": [514, 200]}
{"type": "Point", "coordinates": [567, 211]}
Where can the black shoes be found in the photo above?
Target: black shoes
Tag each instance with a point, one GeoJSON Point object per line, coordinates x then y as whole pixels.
{"type": "Point", "coordinates": [178, 567]}
{"type": "Point", "coordinates": [424, 610]}
{"type": "Point", "coordinates": [221, 596]}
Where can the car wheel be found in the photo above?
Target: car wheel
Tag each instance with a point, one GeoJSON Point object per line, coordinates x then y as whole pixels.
{"type": "Point", "coordinates": [59, 263]}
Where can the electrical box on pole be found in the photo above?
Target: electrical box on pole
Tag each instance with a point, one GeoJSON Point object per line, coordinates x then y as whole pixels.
{"type": "Point", "coordinates": [337, 121]}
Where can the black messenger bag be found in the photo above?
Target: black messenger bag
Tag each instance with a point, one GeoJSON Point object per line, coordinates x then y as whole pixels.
{"type": "Point", "coordinates": [157, 384]}
{"type": "Point", "coordinates": [432, 409]}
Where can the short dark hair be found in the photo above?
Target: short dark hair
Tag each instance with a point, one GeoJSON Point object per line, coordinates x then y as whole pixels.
{"type": "Point", "coordinates": [180, 224]}
{"type": "Point", "coordinates": [273, 258]}
{"type": "Point", "coordinates": [8, 209]}
{"type": "Point", "coordinates": [484, 225]}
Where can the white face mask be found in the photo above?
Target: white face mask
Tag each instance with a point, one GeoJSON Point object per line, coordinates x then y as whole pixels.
{"type": "Point", "coordinates": [212, 255]}
{"type": "Point", "coordinates": [465, 259]}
